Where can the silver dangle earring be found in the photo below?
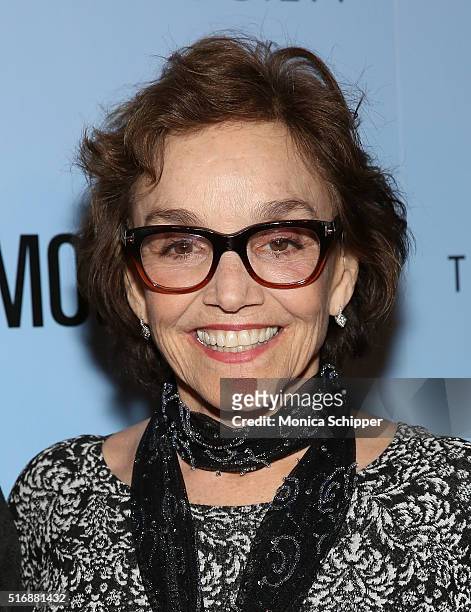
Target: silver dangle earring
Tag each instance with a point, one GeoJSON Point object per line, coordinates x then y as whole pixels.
{"type": "Point", "coordinates": [145, 329]}
{"type": "Point", "coordinates": [340, 318]}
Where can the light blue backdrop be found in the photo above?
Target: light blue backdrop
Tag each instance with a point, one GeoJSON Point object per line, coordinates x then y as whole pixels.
{"type": "Point", "coordinates": [62, 60]}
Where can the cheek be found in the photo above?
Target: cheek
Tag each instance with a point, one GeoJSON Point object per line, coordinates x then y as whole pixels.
{"type": "Point", "coordinates": [308, 304]}
{"type": "Point", "coordinates": [165, 311]}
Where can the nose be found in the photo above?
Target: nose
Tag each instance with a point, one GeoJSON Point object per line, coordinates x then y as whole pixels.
{"type": "Point", "coordinates": [232, 287]}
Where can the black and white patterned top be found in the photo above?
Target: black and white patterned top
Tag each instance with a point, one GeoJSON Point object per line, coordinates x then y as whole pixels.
{"type": "Point", "coordinates": [406, 544]}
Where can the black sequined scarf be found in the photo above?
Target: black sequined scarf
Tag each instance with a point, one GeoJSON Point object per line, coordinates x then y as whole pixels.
{"type": "Point", "coordinates": [301, 525]}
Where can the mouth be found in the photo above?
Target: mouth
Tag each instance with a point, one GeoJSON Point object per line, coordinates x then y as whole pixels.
{"type": "Point", "coordinates": [236, 343]}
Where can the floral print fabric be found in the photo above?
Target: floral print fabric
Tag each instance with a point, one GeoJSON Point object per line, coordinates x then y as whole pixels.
{"type": "Point", "coordinates": [405, 546]}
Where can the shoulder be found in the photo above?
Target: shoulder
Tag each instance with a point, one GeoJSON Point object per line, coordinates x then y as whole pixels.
{"type": "Point", "coordinates": [426, 470]}
{"type": "Point", "coordinates": [446, 461]}
{"type": "Point", "coordinates": [53, 470]}
{"type": "Point", "coordinates": [447, 456]}
{"type": "Point", "coordinates": [76, 464]}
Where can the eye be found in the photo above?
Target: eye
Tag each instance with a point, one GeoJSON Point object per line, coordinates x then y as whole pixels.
{"type": "Point", "coordinates": [282, 243]}
{"type": "Point", "coordinates": [170, 247]}
{"type": "Point", "coordinates": [182, 247]}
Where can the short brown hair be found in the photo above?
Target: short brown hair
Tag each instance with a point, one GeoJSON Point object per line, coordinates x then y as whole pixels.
{"type": "Point", "coordinates": [237, 77]}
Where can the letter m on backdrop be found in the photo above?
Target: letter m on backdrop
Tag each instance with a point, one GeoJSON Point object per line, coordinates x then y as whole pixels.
{"type": "Point", "coordinates": [29, 248]}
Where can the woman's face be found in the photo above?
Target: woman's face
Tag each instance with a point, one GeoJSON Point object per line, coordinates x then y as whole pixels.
{"type": "Point", "coordinates": [221, 175]}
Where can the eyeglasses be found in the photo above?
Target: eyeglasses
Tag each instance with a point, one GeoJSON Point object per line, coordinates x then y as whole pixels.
{"type": "Point", "coordinates": [279, 254]}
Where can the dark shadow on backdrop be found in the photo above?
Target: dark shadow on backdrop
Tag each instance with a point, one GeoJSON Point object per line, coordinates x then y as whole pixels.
{"type": "Point", "coordinates": [100, 347]}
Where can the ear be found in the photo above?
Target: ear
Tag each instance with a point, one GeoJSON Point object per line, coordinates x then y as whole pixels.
{"type": "Point", "coordinates": [343, 281]}
{"type": "Point", "coordinates": [135, 294]}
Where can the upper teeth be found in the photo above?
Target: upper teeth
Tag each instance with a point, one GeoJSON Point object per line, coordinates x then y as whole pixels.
{"type": "Point", "coordinates": [244, 337]}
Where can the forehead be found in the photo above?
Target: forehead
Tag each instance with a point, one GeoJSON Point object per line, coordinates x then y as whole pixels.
{"type": "Point", "coordinates": [223, 173]}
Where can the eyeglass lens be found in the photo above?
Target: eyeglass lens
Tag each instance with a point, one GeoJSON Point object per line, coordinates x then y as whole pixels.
{"type": "Point", "coordinates": [278, 255]}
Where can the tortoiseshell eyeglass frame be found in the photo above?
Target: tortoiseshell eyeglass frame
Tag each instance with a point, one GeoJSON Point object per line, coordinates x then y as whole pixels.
{"type": "Point", "coordinates": [328, 232]}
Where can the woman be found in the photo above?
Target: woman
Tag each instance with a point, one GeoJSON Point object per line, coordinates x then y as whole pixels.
{"type": "Point", "coordinates": [237, 229]}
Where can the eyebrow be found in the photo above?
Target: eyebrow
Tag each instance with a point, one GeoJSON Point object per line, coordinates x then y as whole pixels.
{"type": "Point", "coordinates": [263, 211]}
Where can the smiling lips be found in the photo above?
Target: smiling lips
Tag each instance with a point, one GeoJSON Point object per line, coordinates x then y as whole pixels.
{"type": "Point", "coordinates": [232, 341]}
{"type": "Point", "coordinates": [235, 343]}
